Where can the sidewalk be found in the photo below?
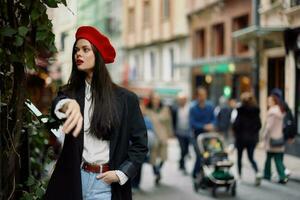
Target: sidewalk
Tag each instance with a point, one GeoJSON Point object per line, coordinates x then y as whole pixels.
{"type": "Point", "coordinates": [291, 162]}
{"type": "Point", "coordinates": [178, 186]}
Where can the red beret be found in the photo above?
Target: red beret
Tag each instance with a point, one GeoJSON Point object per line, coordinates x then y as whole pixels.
{"type": "Point", "coordinates": [100, 41]}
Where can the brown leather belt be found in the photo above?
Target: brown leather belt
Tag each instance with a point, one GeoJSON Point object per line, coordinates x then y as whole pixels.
{"type": "Point", "coordinates": [95, 168]}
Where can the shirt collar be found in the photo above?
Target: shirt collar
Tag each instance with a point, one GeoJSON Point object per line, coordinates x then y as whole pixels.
{"type": "Point", "coordinates": [87, 89]}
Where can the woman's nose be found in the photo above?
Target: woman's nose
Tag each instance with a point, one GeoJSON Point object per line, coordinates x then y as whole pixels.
{"type": "Point", "coordinates": [78, 53]}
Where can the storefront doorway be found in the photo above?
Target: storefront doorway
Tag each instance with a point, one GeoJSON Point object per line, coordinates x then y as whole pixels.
{"type": "Point", "coordinates": [297, 102]}
{"type": "Point", "coordinates": [276, 74]}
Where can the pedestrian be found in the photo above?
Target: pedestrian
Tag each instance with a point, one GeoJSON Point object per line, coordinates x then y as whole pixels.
{"type": "Point", "coordinates": [160, 117]}
{"type": "Point", "coordinates": [105, 140]}
{"type": "Point", "coordinates": [180, 116]}
{"type": "Point", "coordinates": [202, 119]}
{"type": "Point", "coordinates": [289, 122]}
{"type": "Point", "coordinates": [246, 132]}
{"type": "Point", "coordinates": [152, 143]}
{"type": "Point", "coordinates": [274, 138]}
{"type": "Point", "coordinates": [223, 116]}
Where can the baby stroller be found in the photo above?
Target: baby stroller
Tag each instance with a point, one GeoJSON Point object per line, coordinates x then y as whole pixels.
{"type": "Point", "coordinates": [215, 170]}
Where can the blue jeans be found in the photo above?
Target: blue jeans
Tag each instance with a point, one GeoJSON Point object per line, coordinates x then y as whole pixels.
{"type": "Point", "coordinates": [94, 189]}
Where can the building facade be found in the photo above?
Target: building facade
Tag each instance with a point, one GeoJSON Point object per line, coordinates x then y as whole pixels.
{"type": "Point", "coordinates": [278, 39]}
{"type": "Point", "coordinates": [106, 16]}
{"type": "Point", "coordinates": [103, 14]}
{"type": "Point", "coordinates": [155, 38]}
{"type": "Point", "coordinates": [220, 63]}
{"type": "Point", "coordinates": [64, 24]}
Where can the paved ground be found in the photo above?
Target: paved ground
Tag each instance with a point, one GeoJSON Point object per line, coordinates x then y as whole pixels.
{"type": "Point", "coordinates": [176, 186]}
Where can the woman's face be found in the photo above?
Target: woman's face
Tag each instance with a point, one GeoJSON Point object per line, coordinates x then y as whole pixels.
{"type": "Point", "coordinates": [271, 101]}
{"type": "Point", "coordinates": [155, 100]}
{"type": "Point", "coordinates": [84, 56]}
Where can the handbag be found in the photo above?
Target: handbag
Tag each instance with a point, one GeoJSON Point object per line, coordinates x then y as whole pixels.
{"type": "Point", "coordinates": [277, 142]}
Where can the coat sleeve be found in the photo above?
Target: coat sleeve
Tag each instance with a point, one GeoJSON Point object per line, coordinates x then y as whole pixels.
{"type": "Point", "coordinates": [138, 138]}
{"type": "Point", "coordinates": [61, 95]}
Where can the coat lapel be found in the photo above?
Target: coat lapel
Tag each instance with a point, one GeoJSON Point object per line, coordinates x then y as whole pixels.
{"type": "Point", "coordinates": [80, 94]}
{"type": "Point", "coordinates": [116, 131]}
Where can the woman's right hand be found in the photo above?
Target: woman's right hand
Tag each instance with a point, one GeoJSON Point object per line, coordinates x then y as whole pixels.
{"type": "Point", "coordinates": [74, 118]}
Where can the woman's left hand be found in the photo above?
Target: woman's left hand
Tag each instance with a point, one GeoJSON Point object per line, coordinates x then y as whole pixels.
{"type": "Point", "coordinates": [108, 177]}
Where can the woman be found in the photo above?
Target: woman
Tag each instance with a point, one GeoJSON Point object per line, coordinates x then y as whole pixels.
{"type": "Point", "coordinates": [108, 141]}
{"type": "Point", "coordinates": [273, 134]}
{"type": "Point", "coordinates": [160, 117]}
{"type": "Point", "coordinates": [246, 128]}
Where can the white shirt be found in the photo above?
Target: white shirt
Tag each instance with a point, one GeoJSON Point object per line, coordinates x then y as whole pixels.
{"type": "Point", "coordinates": [183, 117]}
{"type": "Point", "coordinates": [94, 150]}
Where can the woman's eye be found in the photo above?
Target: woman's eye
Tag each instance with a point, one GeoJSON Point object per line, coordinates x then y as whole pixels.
{"type": "Point", "coordinates": [86, 50]}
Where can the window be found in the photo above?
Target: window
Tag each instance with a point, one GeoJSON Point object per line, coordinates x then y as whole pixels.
{"type": "Point", "coordinates": [240, 23]}
{"type": "Point", "coordinates": [171, 50]}
{"type": "Point", "coordinates": [131, 20]}
{"type": "Point", "coordinates": [166, 9]}
{"type": "Point", "coordinates": [152, 65]}
{"type": "Point", "coordinates": [63, 40]}
{"type": "Point", "coordinates": [218, 40]}
{"type": "Point", "coordinates": [108, 21]}
{"type": "Point", "coordinates": [147, 14]}
{"type": "Point", "coordinates": [200, 43]}
{"type": "Point", "coordinates": [295, 3]}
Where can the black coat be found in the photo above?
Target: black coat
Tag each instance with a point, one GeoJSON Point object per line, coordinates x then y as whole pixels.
{"type": "Point", "coordinates": [128, 148]}
{"type": "Point", "coordinates": [247, 125]}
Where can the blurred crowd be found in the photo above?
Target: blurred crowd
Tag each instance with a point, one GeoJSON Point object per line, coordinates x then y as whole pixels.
{"type": "Point", "coordinates": [237, 122]}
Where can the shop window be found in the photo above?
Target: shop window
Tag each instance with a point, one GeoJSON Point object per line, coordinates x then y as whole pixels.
{"type": "Point", "coordinates": [200, 43]}
{"type": "Point", "coordinates": [218, 40]}
{"type": "Point", "coordinates": [240, 23]}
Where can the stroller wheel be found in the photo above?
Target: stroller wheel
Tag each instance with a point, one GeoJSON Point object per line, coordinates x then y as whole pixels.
{"type": "Point", "coordinates": [214, 191]}
{"type": "Point", "coordinates": [233, 189]}
{"type": "Point", "coordinates": [227, 188]}
{"type": "Point", "coordinates": [196, 186]}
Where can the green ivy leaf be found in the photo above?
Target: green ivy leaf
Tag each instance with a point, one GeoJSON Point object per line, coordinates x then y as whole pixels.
{"type": "Point", "coordinates": [30, 181]}
{"type": "Point", "coordinates": [29, 59]}
{"type": "Point", "coordinates": [7, 31]}
{"type": "Point", "coordinates": [51, 3]}
{"type": "Point", "coordinates": [41, 35]}
{"type": "Point", "coordinates": [19, 41]}
{"type": "Point", "coordinates": [22, 31]}
{"type": "Point", "coordinates": [35, 14]}
{"type": "Point", "coordinates": [40, 192]}
{"type": "Point", "coordinates": [15, 58]}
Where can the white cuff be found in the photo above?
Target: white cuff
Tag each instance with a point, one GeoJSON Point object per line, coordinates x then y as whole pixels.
{"type": "Point", "coordinates": [59, 105]}
{"type": "Point", "coordinates": [122, 177]}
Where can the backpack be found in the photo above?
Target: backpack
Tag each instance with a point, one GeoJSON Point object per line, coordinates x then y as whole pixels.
{"type": "Point", "coordinates": [289, 124]}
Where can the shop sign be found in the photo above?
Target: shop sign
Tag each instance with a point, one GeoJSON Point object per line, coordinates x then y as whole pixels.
{"type": "Point", "coordinates": [222, 68]}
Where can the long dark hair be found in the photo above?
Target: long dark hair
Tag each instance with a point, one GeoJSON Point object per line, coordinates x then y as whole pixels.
{"type": "Point", "coordinates": [278, 102]}
{"type": "Point", "coordinates": [104, 117]}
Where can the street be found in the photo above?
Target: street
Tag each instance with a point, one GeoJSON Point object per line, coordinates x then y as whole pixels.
{"type": "Point", "coordinates": [177, 186]}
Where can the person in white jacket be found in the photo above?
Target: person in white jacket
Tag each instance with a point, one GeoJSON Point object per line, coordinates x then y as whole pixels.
{"type": "Point", "coordinates": [274, 139]}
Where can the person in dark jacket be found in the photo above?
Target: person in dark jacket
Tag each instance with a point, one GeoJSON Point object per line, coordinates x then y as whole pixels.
{"type": "Point", "coordinates": [246, 131]}
{"type": "Point", "coordinates": [106, 139]}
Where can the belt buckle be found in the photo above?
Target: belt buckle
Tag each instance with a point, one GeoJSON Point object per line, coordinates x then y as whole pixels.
{"type": "Point", "coordinates": [101, 168]}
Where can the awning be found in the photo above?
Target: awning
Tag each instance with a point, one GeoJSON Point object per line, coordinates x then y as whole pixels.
{"type": "Point", "coordinates": [167, 91]}
{"type": "Point", "coordinates": [253, 32]}
{"type": "Point", "coordinates": [216, 61]}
